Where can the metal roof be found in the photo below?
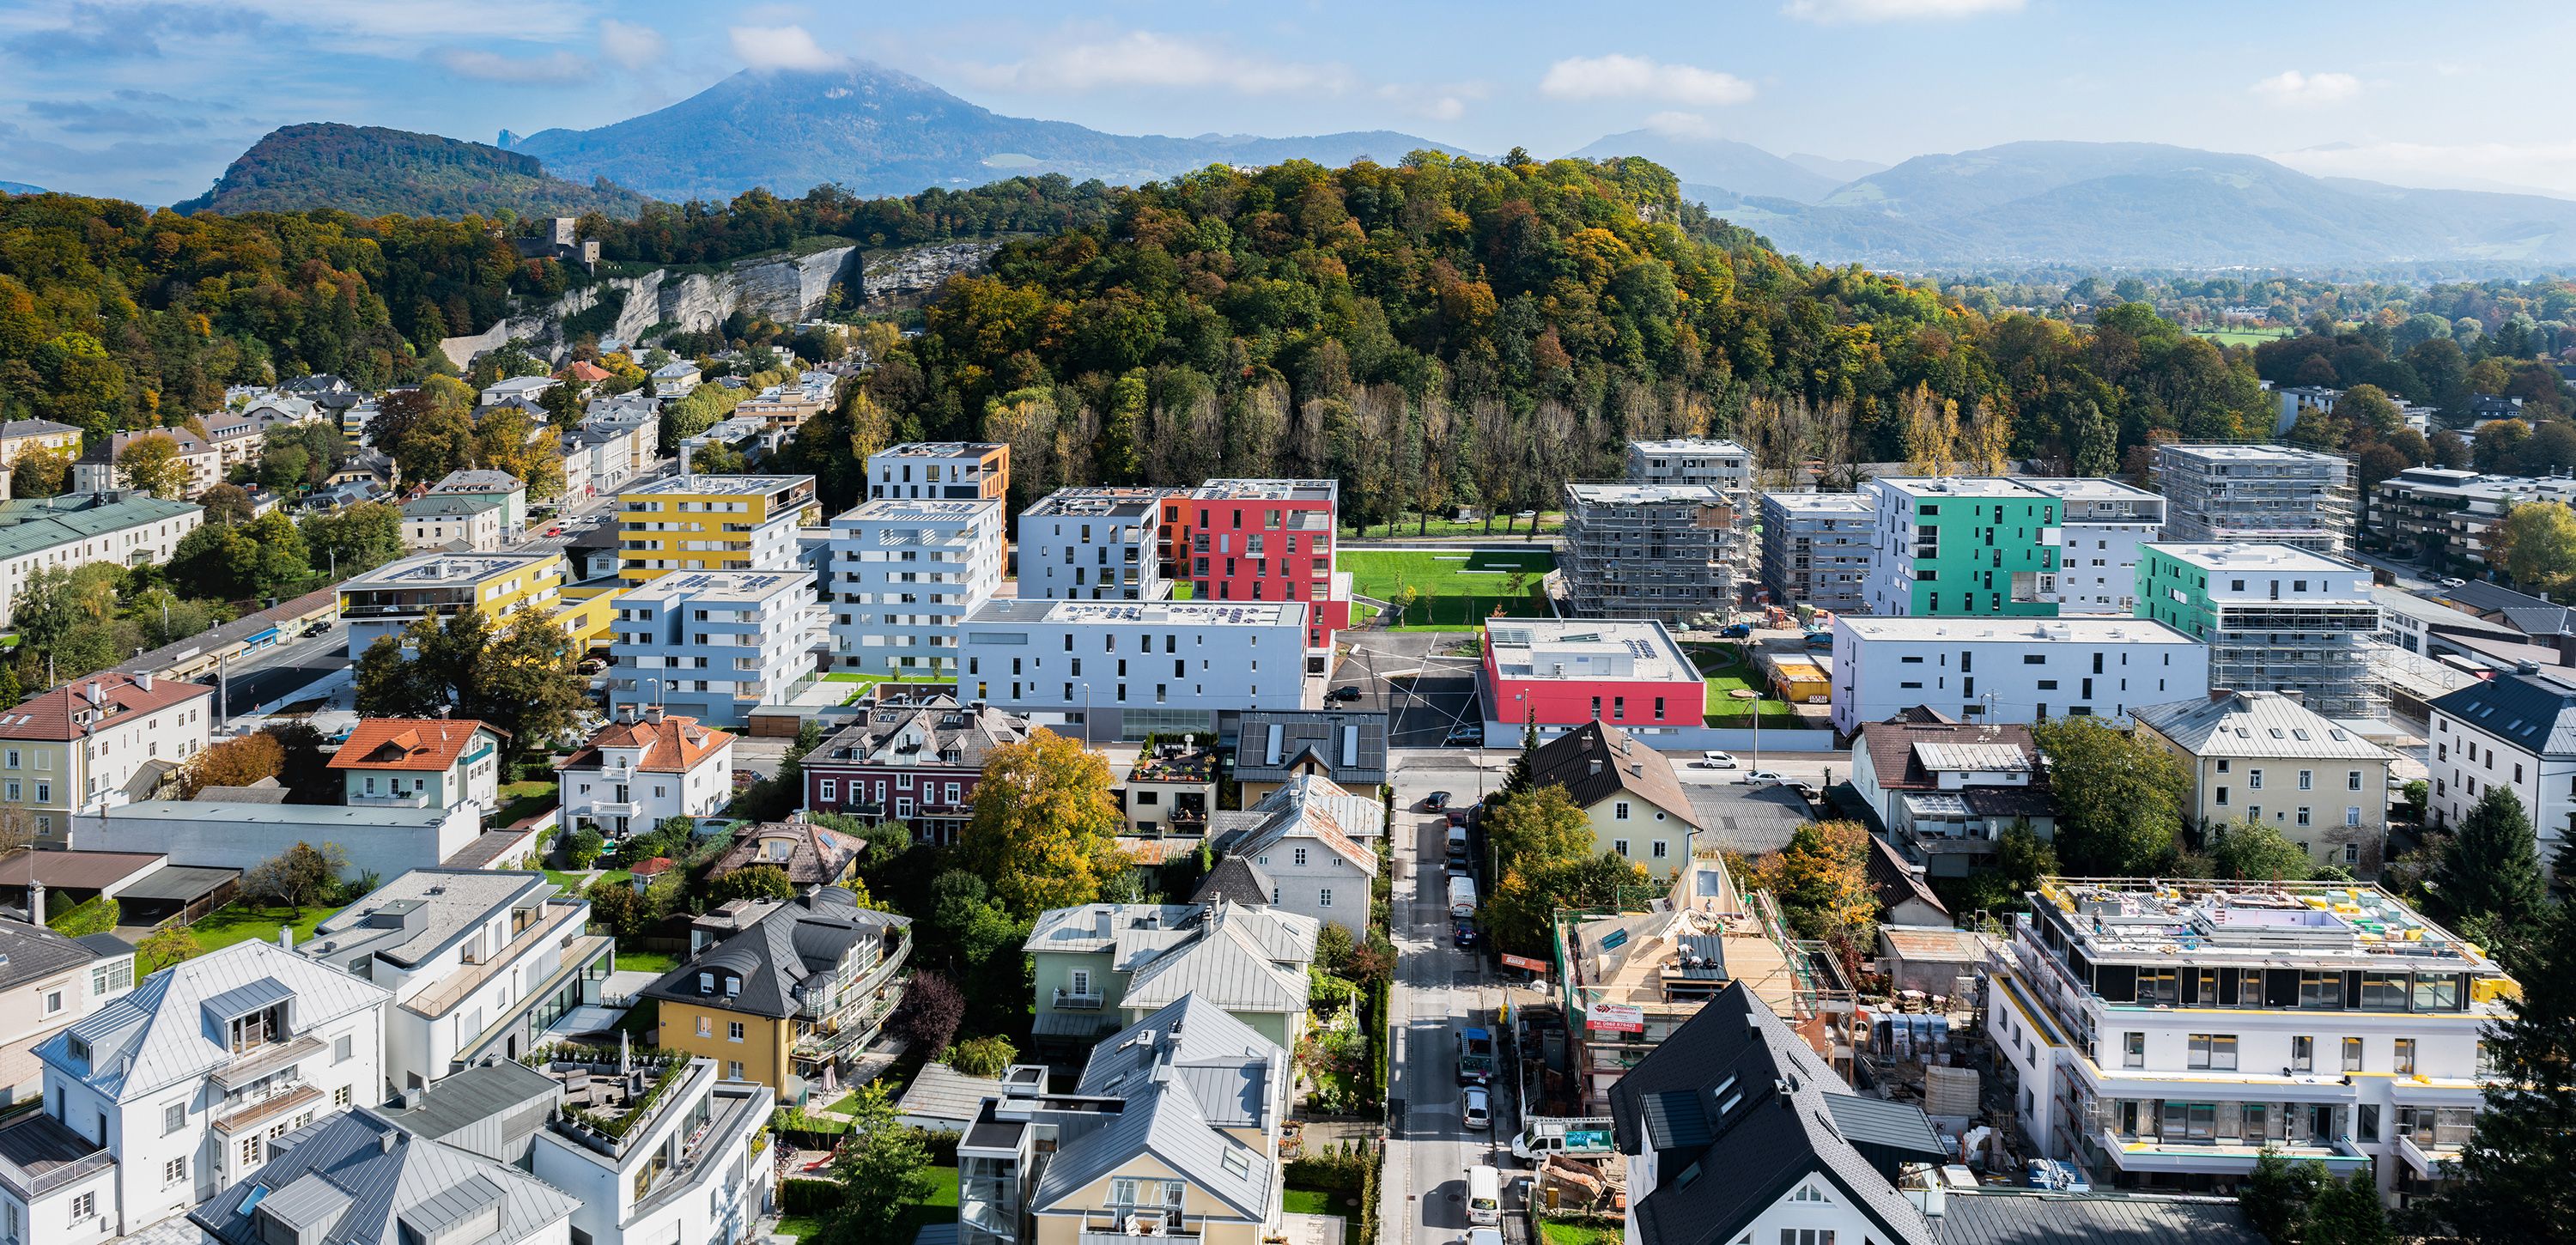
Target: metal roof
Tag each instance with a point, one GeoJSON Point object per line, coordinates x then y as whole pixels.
{"type": "Point", "coordinates": [2256, 724]}
{"type": "Point", "coordinates": [1996, 1217]}
{"type": "Point", "coordinates": [1982, 758]}
{"type": "Point", "coordinates": [156, 1034]}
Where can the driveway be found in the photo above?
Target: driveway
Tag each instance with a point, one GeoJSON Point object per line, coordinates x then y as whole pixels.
{"type": "Point", "coordinates": [1423, 687]}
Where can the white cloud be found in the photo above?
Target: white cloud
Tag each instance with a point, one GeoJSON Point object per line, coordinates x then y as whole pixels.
{"type": "Point", "coordinates": [1143, 58]}
{"type": "Point", "coordinates": [1835, 11]}
{"type": "Point", "coordinates": [2292, 87]}
{"type": "Point", "coordinates": [780, 47]}
{"type": "Point", "coordinates": [1616, 76]}
{"type": "Point", "coordinates": [1445, 101]}
{"type": "Point", "coordinates": [554, 67]}
{"type": "Point", "coordinates": [630, 45]}
{"type": "Point", "coordinates": [1681, 125]}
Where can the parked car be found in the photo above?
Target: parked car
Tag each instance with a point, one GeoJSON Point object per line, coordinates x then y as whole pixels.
{"type": "Point", "coordinates": [1735, 631]}
{"type": "Point", "coordinates": [1808, 792]}
{"type": "Point", "coordinates": [1462, 936]}
{"type": "Point", "coordinates": [1466, 734]}
{"type": "Point", "coordinates": [2455, 583]}
{"type": "Point", "coordinates": [1347, 692]}
{"type": "Point", "coordinates": [1461, 815]}
{"type": "Point", "coordinates": [1760, 778]}
{"type": "Point", "coordinates": [1820, 639]}
{"type": "Point", "coordinates": [1716, 760]}
{"type": "Point", "coordinates": [1478, 1111]}
{"type": "Point", "coordinates": [1435, 801]}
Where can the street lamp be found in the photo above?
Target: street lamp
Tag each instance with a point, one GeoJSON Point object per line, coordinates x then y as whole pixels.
{"type": "Point", "coordinates": [1749, 695]}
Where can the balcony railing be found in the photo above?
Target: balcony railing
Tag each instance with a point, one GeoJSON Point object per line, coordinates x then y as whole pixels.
{"type": "Point", "coordinates": [265, 1060]}
{"type": "Point", "coordinates": [53, 1156]}
{"type": "Point", "coordinates": [1124, 1225]}
{"type": "Point", "coordinates": [1067, 1000]}
{"type": "Point", "coordinates": [248, 1117]}
{"type": "Point", "coordinates": [408, 799]}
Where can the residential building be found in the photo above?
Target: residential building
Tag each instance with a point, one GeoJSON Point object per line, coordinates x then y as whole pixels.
{"type": "Point", "coordinates": [1275, 746]}
{"type": "Point", "coordinates": [1244, 536]}
{"type": "Point", "coordinates": [179, 1087]}
{"type": "Point", "coordinates": [1171, 1131]}
{"type": "Point", "coordinates": [1816, 548]}
{"type": "Point", "coordinates": [2431, 629]}
{"type": "Point", "coordinates": [2106, 524]}
{"type": "Point", "coordinates": [99, 468]}
{"type": "Point", "coordinates": [2168, 1033]}
{"type": "Point", "coordinates": [1945, 792]}
{"type": "Point", "coordinates": [1994, 670]}
{"type": "Point", "coordinates": [941, 471]}
{"type": "Point", "coordinates": [713, 644]}
{"type": "Point", "coordinates": [1310, 845]}
{"type": "Point", "coordinates": [643, 767]}
{"type": "Point", "coordinates": [1130, 669]}
{"type": "Point", "coordinates": [480, 962]}
{"type": "Point", "coordinates": [2256, 494]}
{"type": "Point", "coordinates": [50, 982]}
{"type": "Point", "coordinates": [1627, 791]}
{"type": "Point", "coordinates": [1671, 552]}
{"type": "Point", "coordinates": [1553, 675]}
{"type": "Point", "coordinates": [84, 745]}
{"type": "Point", "coordinates": [2265, 757]}
{"type": "Point", "coordinates": [903, 576]}
{"type": "Point", "coordinates": [1734, 1129]}
{"type": "Point", "coordinates": [22, 436]}
{"type": "Point", "coordinates": [386, 600]}
{"type": "Point", "coordinates": [685, 1157]}
{"type": "Point", "coordinates": [1103, 966]}
{"type": "Point", "coordinates": [2452, 515]}
{"type": "Point", "coordinates": [674, 379]}
{"type": "Point", "coordinates": [691, 522]}
{"type": "Point", "coordinates": [785, 408]}
{"type": "Point", "coordinates": [421, 763]}
{"type": "Point", "coordinates": [453, 524]}
{"type": "Point", "coordinates": [1962, 547]}
{"type": "Point", "coordinates": [1094, 544]}
{"type": "Point", "coordinates": [810, 855]}
{"type": "Point", "coordinates": [1693, 460]}
{"type": "Point", "coordinates": [355, 1176]}
{"type": "Point", "coordinates": [498, 486]}
{"type": "Point", "coordinates": [799, 994]}
{"type": "Point", "coordinates": [2276, 619]}
{"type": "Point", "coordinates": [2297, 400]}
{"type": "Point", "coordinates": [383, 839]}
{"type": "Point", "coordinates": [2517, 731]}
{"type": "Point", "coordinates": [69, 532]}
{"type": "Point", "coordinates": [1169, 790]}
{"type": "Point", "coordinates": [913, 760]}
{"type": "Point", "coordinates": [516, 390]}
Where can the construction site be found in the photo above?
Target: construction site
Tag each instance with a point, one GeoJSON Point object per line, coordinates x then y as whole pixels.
{"type": "Point", "coordinates": [1671, 552]}
{"type": "Point", "coordinates": [2256, 494]}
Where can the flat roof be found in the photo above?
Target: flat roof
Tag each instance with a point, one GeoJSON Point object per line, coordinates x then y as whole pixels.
{"type": "Point", "coordinates": [1646, 651]}
{"type": "Point", "coordinates": [390, 816]}
{"type": "Point", "coordinates": [917, 510]}
{"type": "Point", "coordinates": [1838, 503]}
{"type": "Point", "coordinates": [76, 870]}
{"type": "Point", "coordinates": [449, 901]}
{"type": "Point", "coordinates": [2272, 924]}
{"type": "Point", "coordinates": [939, 449]}
{"type": "Point", "coordinates": [1645, 494]}
{"type": "Point", "coordinates": [2244, 557]}
{"type": "Point", "coordinates": [1145, 613]}
{"type": "Point", "coordinates": [1099, 503]}
{"type": "Point", "coordinates": [1268, 490]}
{"type": "Point", "coordinates": [1688, 445]}
{"type": "Point", "coordinates": [2247, 454]}
{"type": "Point", "coordinates": [717, 585]}
{"type": "Point", "coordinates": [1959, 486]}
{"type": "Point", "coordinates": [2071, 629]}
{"type": "Point", "coordinates": [181, 883]}
{"type": "Point", "coordinates": [714, 486]}
{"type": "Point", "coordinates": [2074, 488]}
{"type": "Point", "coordinates": [430, 570]}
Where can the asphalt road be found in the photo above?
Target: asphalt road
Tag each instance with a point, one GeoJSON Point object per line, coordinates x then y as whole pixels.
{"type": "Point", "coordinates": [271, 673]}
{"type": "Point", "coordinates": [1407, 676]}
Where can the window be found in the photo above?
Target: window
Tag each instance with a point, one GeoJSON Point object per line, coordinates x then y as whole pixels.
{"type": "Point", "coordinates": [2253, 780]}
{"type": "Point", "coordinates": [1324, 897]}
{"type": "Point", "coordinates": [2405, 1057]}
{"type": "Point", "coordinates": [733, 1030]}
{"type": "Point", "coordinates": [1298, 858]}
{"type": "Point", "coordinates": [2133, 1050]}
{"type": "Point", "coordinates": [173, 1118]}
{"type": "Point", "coordinates": [53, 1001]}
{"type": "Point", "coordinates": [1806, 1236]}
{"type": "Point", "coordinates": [1662, 849]}
{"type": "Point", "coordinates": [2321, 991]}
{"type": "Point", "coordinates": [2352, 1054]}
{"type": "Point", "coordinates": [340, 1097]}
{"type": "Point", "coordinates": [2306, 778]}
{"type": "Point", "coordinates": [174, 1171]}
{"type": "Point", "coordinates": [1619, 810]}
{"type": "Point", "coordinates": [1620, 846]}
{"type": "Point", "coordinates": [250, 1152]}
{"type": "Point", "coordinates": [2352, 780]}
{"type": "Point", "coordinates": [706, 1027]}
{"type": "Point", "coordinates": [2213, 1052]}
{"type": "Point", "coordinates": [2159, 987]}
{"type": "Point", "coordinates": [342, 1047]}
{"type": "Point", "coordinates": [112, 978]}
{"type": "Point", "coordinates": [733, 1069]}
{"type": "Point", "coordinates": [84, 1207]}
{"type": "Point", "coordinates": [2437, 993]}
{"type": "Point", "coordinates": [1808, 1193]}
{"type": "Point", "coordinates": [2303, 1054]}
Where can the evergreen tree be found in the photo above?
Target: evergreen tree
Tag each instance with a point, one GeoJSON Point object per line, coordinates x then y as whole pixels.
{"type": "Point", "coordinates": [2348, 1212]}
{"type": "Point", "coordinates": [2487, 882]}
{"type": "Point", "coordinates": [2514, 1185]}
{"type": "Point", "coordinates": [1518, 780]}
{"type": "Point", "coordinates": [2275, 1196]}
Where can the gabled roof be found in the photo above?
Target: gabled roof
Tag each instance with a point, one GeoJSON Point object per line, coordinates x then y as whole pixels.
{"type": "Point", "coordinates": [1169, 950]}
{"type": "Point", "coordinates": [1237, 1076]}
{"type": "Point", "coordinates": [29, 951]}
{"type": "Point", "coordinates": [811, 855]}
{"type": "Point", "coordinates": [1903, 754]}
{"type": "Point", "coordinates": [1235, 879]}
{"type": "Point", "coordinates": [674, 745]}
{"type": "Point", "coordinates": [1183, 1075]}
{"type": "Point", "coordinates": [2256, 724]}
{"type": "Point", "coordinates": [357, 1179]}
{"type": "Point", "coordinates": [1313, 809]}
{"type": "Point", "coordinates": [423, 744]}
{"type": "Point", "coordinates": [801, 940]}
{"type": "Point", "coordinates": [17, 429]}
{"type": "Point", "coordinates": [75, 708]}
{"type": "Point", "coordinates": [158, 1035]}
{"type": "Point", "coordinates": [2535, 712]}
{"type": "Point", "coordinates": [1348, 744]}
{"type": "Point", "coordinates": [1597, 761]}
{"type": "Point", "coordinates": [1893, 882]}
{"type": "Point", "coordinates": [1738, 1111]}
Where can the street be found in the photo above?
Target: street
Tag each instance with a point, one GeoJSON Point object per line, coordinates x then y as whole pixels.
{"type": "Point", "coordinates": [283, 669]}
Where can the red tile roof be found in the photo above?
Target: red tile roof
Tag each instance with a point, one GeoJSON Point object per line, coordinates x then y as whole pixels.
{"type": "Point", "coordinates": [428, 744]}
{"type": "Point", "coordinates": [654, 867]}
{"type": "Point", "coordinates": [586, 373]}
{"type": "Point", "coordinates": [674, 745]}
{"type": "Point", "coordinates": [69, 711]}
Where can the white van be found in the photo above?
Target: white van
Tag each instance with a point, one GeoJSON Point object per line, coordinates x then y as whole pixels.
{"type": "Point", "coordinates": [1462, 897]}
{"type": "Point", "coordinates": [1484, 1195]}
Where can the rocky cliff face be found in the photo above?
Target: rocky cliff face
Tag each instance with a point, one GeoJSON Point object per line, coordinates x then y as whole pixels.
{"type": "Point", "coordinates": [902, 277]}
{"type": "Point", "coordinates": [787, 289]}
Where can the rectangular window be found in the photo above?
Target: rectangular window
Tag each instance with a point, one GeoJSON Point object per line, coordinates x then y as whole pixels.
{"type": "Point", "coordinates": [340, 1097]}
{"type": "Point", "coordinates": [2213, 1052]}
{"type": "Point", "coordinates": [1620, 846]}
{"type": "Point", "coordinates": [2133, 1050]}
{"type": "Point", "coordinates": [733, 1030]}
{"type": "Point", "coordinates": [343, 1047]}
{"type": "Point", "coordinates": [1662, 849]}
{"type": "Point", "coordinates": [174, 1171]}
{"type": "Point", "coordinates": [2303, 1054]}
{"type": "Point", "coordinates": [1324, 897]}
{"type": "Point", "coordinates": [733, 1069]}
{"type": "Point", "coordinates": [173, 1118]}
{"type": "Point", "coordinates": [2352, 780]}
{"type": "Point", "coordinates": [2352, 1054]}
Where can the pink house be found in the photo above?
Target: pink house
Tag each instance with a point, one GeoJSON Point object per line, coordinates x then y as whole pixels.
{"type": "Point", "coordinates": [1558, 674]}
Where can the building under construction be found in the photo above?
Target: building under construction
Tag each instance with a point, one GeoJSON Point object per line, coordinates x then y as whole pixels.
{"type": "Point", "coordinates": [1670, 552]}
{"type": "Point", "coordinates": [2256, 494]}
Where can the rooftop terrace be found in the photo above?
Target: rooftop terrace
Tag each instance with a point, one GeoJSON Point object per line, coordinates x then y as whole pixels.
{"type": "Point", "coordinates": [2324, 924]}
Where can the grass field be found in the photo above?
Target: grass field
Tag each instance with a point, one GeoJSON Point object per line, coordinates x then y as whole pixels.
{"type": "Point", "coordinates": [1554, 1233]}
{"type": "Point", "coordinates": [1548, 521]}
{"type": "Point", "coordinates": [1319, 1202]}
{"type": "Point", "coordinates": [521, 800]}
{"type": "Point", "coordinates": [1458, 590]}
{"type": "Point", "coordinates": [645, 961]}
{"type": "Point", "coordinates": [2244, 337]}
{"type": "Point", "coordinates": [1725, 672]}
{"type": "Point", "coordinates": [242, 922]}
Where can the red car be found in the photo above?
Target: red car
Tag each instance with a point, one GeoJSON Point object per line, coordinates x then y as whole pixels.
{"type": "Point", "coordinates": [554, 531]}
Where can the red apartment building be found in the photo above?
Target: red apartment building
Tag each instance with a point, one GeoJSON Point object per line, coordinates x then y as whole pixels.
{"type": "Point", "coordinates": [1263, 540]}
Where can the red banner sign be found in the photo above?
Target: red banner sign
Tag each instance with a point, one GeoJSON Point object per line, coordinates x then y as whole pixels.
{"type": "Point", "coordinates": [1523, 961]}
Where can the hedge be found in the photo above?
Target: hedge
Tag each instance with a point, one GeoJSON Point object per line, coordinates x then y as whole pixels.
{"type": "Point", "coordinates": [814, 1198]}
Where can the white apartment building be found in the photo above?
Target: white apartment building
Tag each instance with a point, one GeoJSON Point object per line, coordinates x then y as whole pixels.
{"type": "Point", "coordinates": [48, 983]}
{"type": "Point", "coordinates": [76, 529]}
{"type": "Point", "coordinates": [357, 1176]}
{"type": "Point", "coordinates": [173, 1091]}
{"type": "Point", "coordinates": [2105, 523]}
{"type": "Point", "coordinates": [2277, 618]}
{"type": "Point", "coordinates": [2165, 1034]}
{"type": "Point", "coordinates": [686, 1168]}
{"type": "Point", "coordinates": [82, 746]}
{"type": "Point", "coordinates": [1093, 544]}
{"type": "Point", "coordinates": [2516, 731]}
{"type": "Point", "coordinates": [713, 644]}
{"type": "Point", "coordinates": [479, 962]}
{"type": "Point", "coordinates": [940, 471]}
{"type": "Point", "coordinates": [643, 768]}
{"type": "Point", "coordinates": [1125, 670]}
{"type": "Point", "coordinates": [902, 574]}
{"type": "Point", "coordinates": [1693, 460]}
{"type": "Point", "coordinates": [458, 524]}
{"type": "Point", "coordinates": [2017, 670]}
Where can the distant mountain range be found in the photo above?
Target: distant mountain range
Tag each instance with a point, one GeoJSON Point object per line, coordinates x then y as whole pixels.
{"type": "Point", "coordinates": [20, 188]}
{"type": "Point", "coordinates": [371, 171]}
{"type": "Point", "coordinates": [882, 132]}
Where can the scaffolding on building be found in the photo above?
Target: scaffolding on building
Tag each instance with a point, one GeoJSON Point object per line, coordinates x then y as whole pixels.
{"type": "Point", "coordinates": [1667, 552]}
{"type": "Point", "coordinates": [2256, 494]}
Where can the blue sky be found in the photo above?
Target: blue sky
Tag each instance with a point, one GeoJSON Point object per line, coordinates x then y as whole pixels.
{"type": "Point", "coordinates": [149, 99]}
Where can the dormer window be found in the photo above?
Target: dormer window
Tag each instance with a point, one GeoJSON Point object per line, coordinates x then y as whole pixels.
{"type": "Point", "coordinates": [706, 983]}
{"type": "Point", "coordinates": [80, 1048]}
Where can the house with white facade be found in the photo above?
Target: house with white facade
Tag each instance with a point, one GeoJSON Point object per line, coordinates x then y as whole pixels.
{"type": "Point", "coordinates": [384, 839]}
{"type": "Point", "coordinates": [49, 982]}
{"type": "Point", "coordinates": [1094, 544]}
{"type": "Point", "coordinates": [356, 1176]}
{"type": "Point", "coordinates": [76, 529]}
{"type": "Point", "coordinates": [903, 575]}
{"type": "Point", "coordinates": [682, 1158]}
{"type": "Point", "coordinates": [1131, 668]}
{"type": "Point", "coordinates": [457, 524]}
{"type": "Point", "coordinates": [2010, 669]}
{"type": "Point", "coordinates": [2516, 731]}
{"type": "Point", "coordinates": [479, 961]}
{"type": "Point", "coordinates": [713, 644]}
{"type": "Point", "coordinates": [86, 744]}
{"type": "Point", "coordinates": [1946, 791]}
{"type": "Point", "coordinates": [1311, 843]}
{"type": "Point", "coordinates": [2104, 523]}
{"type": "Point", "coordinates": [941, 471]}
{"type": "Point", "coordinates": [2170, 1033]}
{"type": "Point", "coordinates": [644, 767]}
{"type": "Point", "coordinates": [175, 1090]}
{"type": "Point", "coordinates": [421, 763]}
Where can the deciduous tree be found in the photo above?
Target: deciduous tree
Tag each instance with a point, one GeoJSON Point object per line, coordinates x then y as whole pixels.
{"type": "Point", "coordinates": [152, 463]}
{"type": "Point", "coordinates": [237, 762]}
{"type": "Point", "coordinates": [1043, 833]}
{"type": "Point", "coordinates": [297, 878]}
{"type": "Point", "coordinates": [2119, 798]}
{"type": "Point", "coordinates": [2536, 544]}
{"type": "Point", "coordinates": [882, 1168]}
{"type": "Point", "coordinates": [2256, 852]}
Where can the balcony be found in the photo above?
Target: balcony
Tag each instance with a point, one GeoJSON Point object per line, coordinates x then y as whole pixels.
{"type": "Point", "coordinates": [612, 808]}
{"type": "Point", "coordinates": [2430, 1161]}
{"type": "Point", "coordinates": [1124, 1226]}
{"type": "Point", "coordinates": [39, 1155]}
{"type": "Point", "coordinates": [264, 1060]}
{"type": "Point", "coordinates": [249, 1117]}
{"type": "Point", "coordinates": [461, 983]}
{"type": "Point", "coordinates": [1068, 1001]}
{"type": "Point", "coordinates": [2162, 1154]}
{"type": "Point", "coordinates": [616, 774]}
{"type": "Point", "coordinates": [408, 799]}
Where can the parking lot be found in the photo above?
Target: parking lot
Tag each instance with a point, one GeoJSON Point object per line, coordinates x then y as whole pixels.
{"type": "Point", "coordinates": [1424, 690]}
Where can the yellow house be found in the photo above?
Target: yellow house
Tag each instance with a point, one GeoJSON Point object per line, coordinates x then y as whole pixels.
{"type": "Point", "coordinates": [105, 738]}
{"type": "Point", "coordinates": [1627, 790]}
{"type": "Point", "coordinates": [791, 1000]}
{"type": "Point", "coordinates": [586, 615]}
{"type": "Point", "coordinates": [694, 522]}
{"type": "Point", "coordinates": [393, 596]}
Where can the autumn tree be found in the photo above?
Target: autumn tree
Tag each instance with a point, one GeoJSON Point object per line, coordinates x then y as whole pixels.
{"type": "Point", "coordinates": [1529, 892]}
{"type": "Point", "coordinates": [164, 947]}
{"type": "Point", "coordinates": [2536, 545]}
{"type": "Point", "coordinates": [237, 762]}
{"type": "Point", "coordinates": [152, 463]}
{"type": "Point", "coordinates": [1539, 825]}
{"type": "Point", "coordinates": [2120, 798]}
{"type": "Point", "coordinates": [297, 878]}
{"type": "Point", "coordinates": [1043, 833]}
{"type": "Point", "coordinates": [520, 674]}
{"type": "Point", "coordinates": [1822, 881]}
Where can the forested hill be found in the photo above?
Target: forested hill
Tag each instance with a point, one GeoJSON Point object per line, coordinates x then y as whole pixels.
{"type": "Point", "coordinates": [372, 171]}
{"type": "Point", "coordinates": [1449, 332]}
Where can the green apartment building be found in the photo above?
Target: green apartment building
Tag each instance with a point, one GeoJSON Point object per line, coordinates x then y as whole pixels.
{"type": "Point", "coordinates": [2276, 618]}
{"type": "Point", "coordinates": [1971, 547]}
{"type": "Point", "coordinates": [1103, 966]}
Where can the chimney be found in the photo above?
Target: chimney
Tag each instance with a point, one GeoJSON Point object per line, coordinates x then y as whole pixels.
{"type": "Point", "coordinates": [285, 937]}
{"type": "Point", "coordinates": [385, 1140]}
{"type": "Point", "coordinates": [626, 713]}
{"type": "Point", "coordinates": [143, 681]}
{"type": "Point", "coordinates": [2217, 694]}
{"type": "Point", "coordinates": [35, 897]}
{"type": "Point", "coordinates": [653, 715]}
{"type": "Point", "coordinates": [684, 460]}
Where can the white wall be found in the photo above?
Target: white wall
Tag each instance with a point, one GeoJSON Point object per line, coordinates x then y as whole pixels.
{"type": "Point", "coordinates": [1219, 668]}
{"type": "Point", "coordinates": [1875, 678]}
{"type": "Point", "coordinates": [2097, 566]}
{"type": "Point", "coordinates": [231, 843]}
{"type": "Point", "coordinates": [2547, 789]}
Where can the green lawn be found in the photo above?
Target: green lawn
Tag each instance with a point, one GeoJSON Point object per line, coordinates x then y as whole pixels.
{"type": "Point", "coordinates": [1457, 590]}
{"type": "Point", "coordinates": [242, 922]}
{"type": "Point", "coordinates": [646, 961]}
{"type": "Point", "coordinates": [939, 1207]}
{"type": "Point", "coordinates": [1724, 670]}
{"type": "Point", "coordinates": [572, 883]}
{"type": "Point", "coordinates": [1555, 1233]}
{"type": "Point", "coordinates": [1319, 1202]}
{"type": "Point", "coordinates": [2245, 337]}
{"type": "Point", "coordinates": [1411, 525]}
{"type": "Point", "coordinates": [802, 1227]}
{"type": "Point", "coordinates": [525, 799]}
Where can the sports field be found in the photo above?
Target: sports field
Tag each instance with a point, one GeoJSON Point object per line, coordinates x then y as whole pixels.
{"type": "Point", "coordinates": [1454, 591]}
